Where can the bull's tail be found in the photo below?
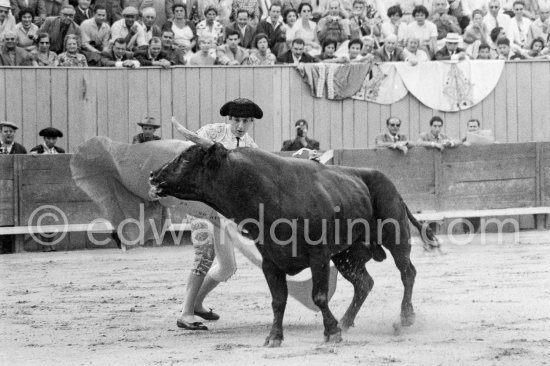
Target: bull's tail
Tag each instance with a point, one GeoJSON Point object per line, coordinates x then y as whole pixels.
{"type": "Point", "coordinates": [426, 234]}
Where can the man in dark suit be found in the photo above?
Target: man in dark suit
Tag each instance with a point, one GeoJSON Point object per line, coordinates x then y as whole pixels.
{"type": "Point", "coordinates": [10, 54]}
{"type": "Point", "coordinates": [118, 56]}
{"type": "Point", "coordinates": [389, 52]}
{"type": "Point", "coordinates": [451, 51]}
{"type": "Point", "coordinates": [242, 25]}
{"type": "Point", "coordinates": [301, 140]}
{"type": "Point", "coordinates": [296, 54]}
{"type": "Point", "coordinates": [59, 27]}
{"type": "Point", "coordinates": [153, 55]}
{"type": "Point", "coordinates": [8, 146]}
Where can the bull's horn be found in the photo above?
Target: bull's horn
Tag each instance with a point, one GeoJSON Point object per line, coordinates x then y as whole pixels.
{"type": "Point", "coordinates": [192, 136]}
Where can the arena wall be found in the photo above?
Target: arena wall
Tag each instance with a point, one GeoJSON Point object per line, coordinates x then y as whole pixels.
{"type": "Point", "coordinates": [92, 101]}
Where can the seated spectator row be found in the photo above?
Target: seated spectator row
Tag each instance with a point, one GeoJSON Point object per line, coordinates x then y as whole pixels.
{"type": "Point", "coordinates": [251, 32]}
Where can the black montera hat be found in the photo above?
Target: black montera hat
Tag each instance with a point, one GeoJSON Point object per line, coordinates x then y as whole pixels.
{"type": "Point", "coordinates": [241, 107]}
{"type": "Point", "coordinates": [50, 132]}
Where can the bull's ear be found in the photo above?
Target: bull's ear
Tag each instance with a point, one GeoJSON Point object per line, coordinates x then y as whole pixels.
{"type": "Point", "coordinates": [214, 156]}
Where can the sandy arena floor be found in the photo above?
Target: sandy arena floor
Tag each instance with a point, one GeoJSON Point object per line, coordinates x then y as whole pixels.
{"type": "Point", "coordinates": [478, 304]}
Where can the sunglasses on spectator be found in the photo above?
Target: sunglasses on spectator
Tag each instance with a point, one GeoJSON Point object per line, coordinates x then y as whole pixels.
{"type": "Point", "coordinates": [518, 9]}
{"type": "Point", "coordinates": [10, 39]}
{"type": "Point", "coordinates": [43, 42]}
{"type": "Point", "coordinates": [395, 124]}
{"type": "Point", "coordinates": [68, 15]}
{"type": "Point", "coordinates": [494, 7]}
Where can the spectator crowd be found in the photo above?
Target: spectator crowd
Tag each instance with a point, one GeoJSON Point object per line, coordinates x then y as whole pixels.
{"type": "Point", "coordinates": [141, 33]}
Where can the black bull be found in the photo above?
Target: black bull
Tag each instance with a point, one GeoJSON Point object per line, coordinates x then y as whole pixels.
{"type": "Point", "coordinates": [320, 212]}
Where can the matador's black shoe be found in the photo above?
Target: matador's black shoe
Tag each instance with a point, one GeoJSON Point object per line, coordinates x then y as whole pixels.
{"type": "Point", "coordinates": [207, 315]}
{"type": "Point", "coordinates": [191, 326]}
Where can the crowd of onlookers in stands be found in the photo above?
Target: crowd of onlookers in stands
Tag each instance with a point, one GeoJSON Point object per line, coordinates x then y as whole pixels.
{"type": "Point", "coordinates": [133, 33]}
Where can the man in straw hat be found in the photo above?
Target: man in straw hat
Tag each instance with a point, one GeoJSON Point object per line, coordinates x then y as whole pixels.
{"type": "Point", "coordinates": [148, 128]}
{"type": "Point", "coordinates": [50, 135]}
{"type": "Point", "coordinates": [451, 51]}
{"type": "Point", "coordinates": [7, 139]}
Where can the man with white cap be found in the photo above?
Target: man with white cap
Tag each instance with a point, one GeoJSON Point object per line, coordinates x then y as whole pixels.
{"type": "Point", "coordinates": [8, 145]}
{"type": "Point", "coordinates": [129, 29]}
{"type": "Point", "coordinates": [7, 21]}
{"type": "Point", "coordinates": [451, 51]}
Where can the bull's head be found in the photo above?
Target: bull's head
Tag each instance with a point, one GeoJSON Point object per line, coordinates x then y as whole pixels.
{"type": "Point", "coordinates": [185, 177]}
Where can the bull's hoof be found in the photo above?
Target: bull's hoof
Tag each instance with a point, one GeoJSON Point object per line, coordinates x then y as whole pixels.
{"type": "Point", "coordinates": [334, 338]}
{"type": "Point", "coordinates": [273, 343]}
{"type": "Point", "coordinates": [345, 324]}
{"type": "Point", "coordinates": [407, 319]}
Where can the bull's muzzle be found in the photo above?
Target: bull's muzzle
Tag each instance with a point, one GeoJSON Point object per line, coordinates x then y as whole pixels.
{"type": "Point", "coordinates": [155, 189]}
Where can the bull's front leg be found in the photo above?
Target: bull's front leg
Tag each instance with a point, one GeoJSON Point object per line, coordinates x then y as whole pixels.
{"type": "Point", "coordinates": [320, 271]}
{"type": "Point", "coordinates": [276, 280]}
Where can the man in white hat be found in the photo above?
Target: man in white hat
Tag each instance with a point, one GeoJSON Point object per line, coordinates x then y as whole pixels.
{"type": "Point", "coordinates": [7, 21]}
{"type": "Point", "coordinates": [148, 128]}
{"type": "Point", "coordinates": [451, 51]}
{"type": "Point", "coordinates": [7, 139]}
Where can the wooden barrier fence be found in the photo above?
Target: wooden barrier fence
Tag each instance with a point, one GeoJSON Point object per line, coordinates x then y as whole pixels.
{"type": "Point", "coordinates": [480, 177]}
{"type": "Point", "coordinates": [93, 101]}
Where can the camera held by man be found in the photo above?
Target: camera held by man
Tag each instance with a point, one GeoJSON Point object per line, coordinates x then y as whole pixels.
{"type": "Point", "coordinates": [301, 140]}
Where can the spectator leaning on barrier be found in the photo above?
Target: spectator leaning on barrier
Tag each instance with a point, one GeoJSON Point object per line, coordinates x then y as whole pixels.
{"type": "Point", "coordinates": [118, 56]}
{"type": "Point", "coordinates": [296, 54]}
{"type": "Point", "coordinates": [414, 55]}
{"type": "Point", "coordinates": [435, 138]}
{"type": "Point", "coordinates": [505, 52]}
{"type": "Point", "coordinates": [148, 128]}
{"type": "Point", "coordinates": [204, 56]}
{"type": "Point", "coordinates": [393, 139]}
{"type": "Point", "coordinates": [389, 52]}
{"type": "Point", "coordinates": [173, 53]}
{"type": "Point", "coordinates": [301, 140]}
{"type": "Point", "coordinates": [484, 52]}
{"type": "Point", "coordinates": [231, 53]}
{"type": "Point", "coordinates": [153, 55]}
{"type": "Point", "coordinates": [95, 36]}
{"type": "Point", "coordinates": [50, 135]}
{"type": "Point", "coordinates": [59, 27]}
{"type": "Point", "coordinates": [11, 55]}
{"type": "Point", "coordinates": [243, 26]}
{"type": "Point", "coordinates": [261, 55]}
{"type": "Point", "coordinates": [8, 146]}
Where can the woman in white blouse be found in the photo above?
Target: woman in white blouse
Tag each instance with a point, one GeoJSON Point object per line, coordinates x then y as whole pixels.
{"type": "Point", "coordinates": [306, 29]}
